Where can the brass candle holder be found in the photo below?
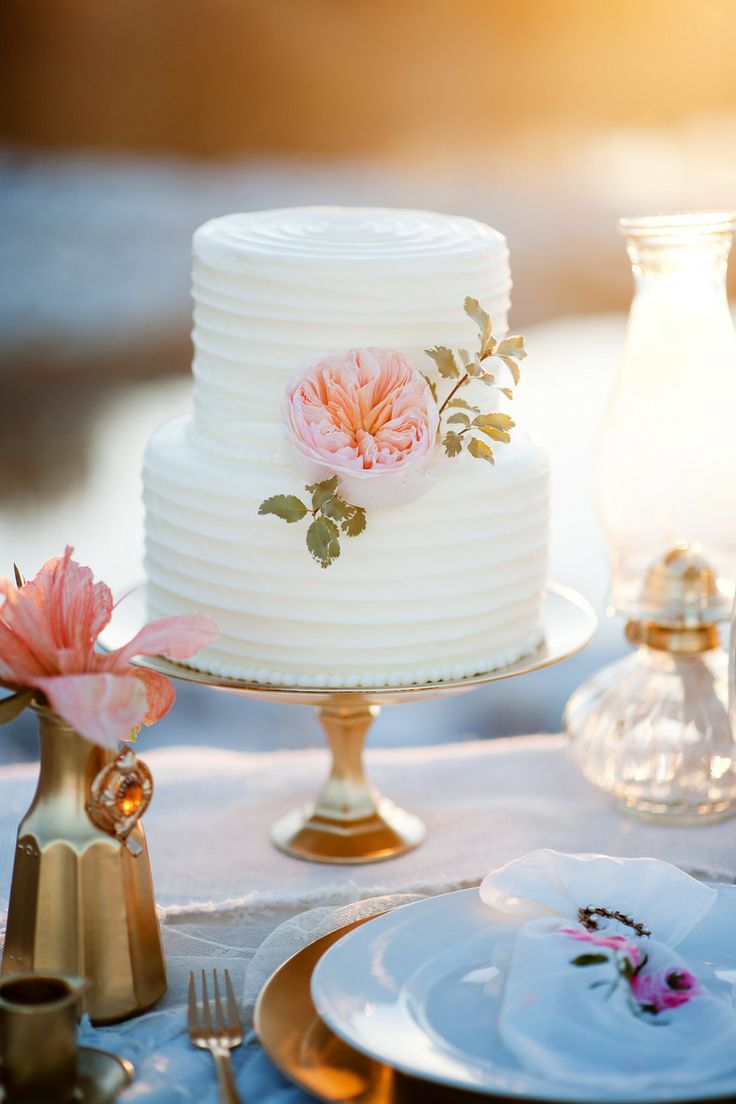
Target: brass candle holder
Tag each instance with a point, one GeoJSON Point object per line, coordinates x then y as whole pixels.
{"type": "Point", "coordinates": [40, 1060]}
{"type": "Point", "coordinates": [38, 1035]}
{"type": "Point", "coordinates": [350, 822]}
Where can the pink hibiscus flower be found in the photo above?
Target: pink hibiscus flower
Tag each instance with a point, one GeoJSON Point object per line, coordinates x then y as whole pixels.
{"type": "Point", "coordinates": [48, 631]}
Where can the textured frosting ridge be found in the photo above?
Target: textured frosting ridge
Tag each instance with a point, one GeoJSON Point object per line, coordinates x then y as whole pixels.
{"type": "Point", "coordinates": [319, 234]}
{"type": "Point", "coordinates": [446, 587]}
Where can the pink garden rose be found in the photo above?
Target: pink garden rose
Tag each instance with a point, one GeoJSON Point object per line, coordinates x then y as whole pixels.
{"type": "Point", "coordinates": [369, 418]}
{"type": "Point", "coordinates": [48, 631]}
{"type": "Point", "coordinates": [665, 989]}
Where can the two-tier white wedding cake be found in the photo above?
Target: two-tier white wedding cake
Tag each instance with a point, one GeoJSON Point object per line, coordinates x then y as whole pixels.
{"type": "Point", "coordinates": [444, 586]}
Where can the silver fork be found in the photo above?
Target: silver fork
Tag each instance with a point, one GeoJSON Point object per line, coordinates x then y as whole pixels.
{"type": "Point", "coordinates": [220, 1038]}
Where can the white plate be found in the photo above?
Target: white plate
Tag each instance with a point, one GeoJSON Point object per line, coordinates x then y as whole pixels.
{"type": "Point", "coordinates": [414, 989]}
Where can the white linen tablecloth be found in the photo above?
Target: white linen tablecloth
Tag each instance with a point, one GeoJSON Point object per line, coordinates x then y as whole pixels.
{"type": "Point", "coordinates": [223, 890]}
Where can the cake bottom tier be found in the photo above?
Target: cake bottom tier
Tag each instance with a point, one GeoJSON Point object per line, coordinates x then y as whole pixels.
{"type": "Point", "coordinates": [444, 588]}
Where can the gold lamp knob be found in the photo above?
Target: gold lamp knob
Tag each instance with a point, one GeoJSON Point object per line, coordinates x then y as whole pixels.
{"type": "Point", "coordinates": [681, 604]}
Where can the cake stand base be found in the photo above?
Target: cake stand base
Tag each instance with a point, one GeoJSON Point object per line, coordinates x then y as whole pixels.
{"type": "Point", "coordinates": [387, 832]}
{"type": "Point", "coordinates": [349, 822]}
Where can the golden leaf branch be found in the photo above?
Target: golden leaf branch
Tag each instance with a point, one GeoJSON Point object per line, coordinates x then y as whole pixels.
{"type": "Point", "coordinates": [495, 425]}
{"type": "Point", "coordinates": [456, 388]}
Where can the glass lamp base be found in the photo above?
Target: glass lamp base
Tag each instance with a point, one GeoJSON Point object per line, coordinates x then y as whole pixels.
{"type": "Point", "coordinates": [653, 730]}
{"type": "Point", "coordinates": [678, 812]}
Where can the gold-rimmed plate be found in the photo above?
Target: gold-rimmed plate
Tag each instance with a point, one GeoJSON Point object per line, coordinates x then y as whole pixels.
{"type": "Point", "coordinates": [312, 1056]}
{"type": "Point", "coordinates": [304, 1049]}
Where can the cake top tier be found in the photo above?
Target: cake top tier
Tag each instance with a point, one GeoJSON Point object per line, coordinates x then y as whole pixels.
{"type": "Point", "coordinates": [273, 290]}
{"type": "Point", "coordinates": [343, 234]}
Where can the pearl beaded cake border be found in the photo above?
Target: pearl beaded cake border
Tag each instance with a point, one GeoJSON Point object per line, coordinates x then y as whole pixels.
{"type": "Point", "coordinates": [368, 680]}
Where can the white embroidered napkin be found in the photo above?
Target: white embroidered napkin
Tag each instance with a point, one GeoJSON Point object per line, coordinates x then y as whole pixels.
{"type": "Point", "coordinates": [600, 998]}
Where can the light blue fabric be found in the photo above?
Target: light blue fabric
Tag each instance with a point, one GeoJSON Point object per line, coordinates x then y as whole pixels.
{"type": "Point", "coordinates": [168, 1069]}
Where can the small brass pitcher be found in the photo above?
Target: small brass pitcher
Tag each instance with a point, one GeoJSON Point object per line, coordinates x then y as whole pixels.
{"type": "Point", "coordinates": [38, 1036]}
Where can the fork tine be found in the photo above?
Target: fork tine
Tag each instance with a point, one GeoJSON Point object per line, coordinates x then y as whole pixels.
{"type": "Point", "coordinates": [218, 1005]}
{"type": "Point", "coordinates": [233, 1014]}
{"type": "Point", "coordinates": [206, 1006]}
{"type": "Point", "coordinates": [193, 1017]}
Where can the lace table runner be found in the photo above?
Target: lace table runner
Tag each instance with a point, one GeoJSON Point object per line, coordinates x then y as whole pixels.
{"type": "Point", "coordinates": [228, 899]}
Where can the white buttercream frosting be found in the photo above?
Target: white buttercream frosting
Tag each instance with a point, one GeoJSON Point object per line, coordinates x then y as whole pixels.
{"type": "Point", "coordinates": [444, 587]}
{"type": "Point", "coordinates": [275, 289]}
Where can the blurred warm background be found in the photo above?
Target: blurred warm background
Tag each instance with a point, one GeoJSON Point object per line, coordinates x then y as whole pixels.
{"type": "Point", "coordinates": [125, 124]}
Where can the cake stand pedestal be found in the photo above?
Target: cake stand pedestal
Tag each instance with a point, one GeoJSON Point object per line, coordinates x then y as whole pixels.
{"type": "Point", "coordinates": [350, 822]}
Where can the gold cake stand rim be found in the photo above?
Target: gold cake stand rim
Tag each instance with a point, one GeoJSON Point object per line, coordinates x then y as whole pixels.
{"type": "Point", "coordinates": [560, 604]}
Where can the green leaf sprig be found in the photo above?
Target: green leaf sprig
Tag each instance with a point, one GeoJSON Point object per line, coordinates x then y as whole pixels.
{"type": "Point", "coordinates": [472, 425]}
{"type": "Point", "coordinates": [624, 970]}
{"type": "Point", "coordinates": [331, 516]}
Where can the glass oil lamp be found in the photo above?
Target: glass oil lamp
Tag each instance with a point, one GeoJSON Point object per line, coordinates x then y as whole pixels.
{"type": "Point", "coordinates": [653, 728]}
{"type": "Point", "coordinates": [666, 456]}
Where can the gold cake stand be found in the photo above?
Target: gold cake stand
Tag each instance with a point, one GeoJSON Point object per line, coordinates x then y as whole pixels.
{"type": "Point", "coordinates": [350, 822]}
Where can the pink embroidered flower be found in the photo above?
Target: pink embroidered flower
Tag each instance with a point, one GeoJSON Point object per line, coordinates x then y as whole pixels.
{"type": "Point", "coordinates": [48, 631]}
{"type": "Point", "coordinates": [618, 943]}
{"type": "Point", "coordinates": [665, 989]}
{"type": "Point", "coordinates": [369, 418]}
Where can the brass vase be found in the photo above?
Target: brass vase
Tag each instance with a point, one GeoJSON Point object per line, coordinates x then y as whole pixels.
{"type": "Point", "coordinates": [81, 899]}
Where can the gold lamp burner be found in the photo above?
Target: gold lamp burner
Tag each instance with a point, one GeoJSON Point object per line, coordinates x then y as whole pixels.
{"type": "Point", "coordinates": [681, 604]}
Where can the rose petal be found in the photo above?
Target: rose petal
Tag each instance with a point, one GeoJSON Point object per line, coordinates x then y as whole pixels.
{"type": "Point", "coordinates": [160, 694]}
{"type": "Point", "coordinates": [103, 708]}
{"type": "Point", "coordinates": [372, 488]}
{"type": "Point", "coordinates": [385, 489]}
{"type": "Point", "coordinates": [367, 417]}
